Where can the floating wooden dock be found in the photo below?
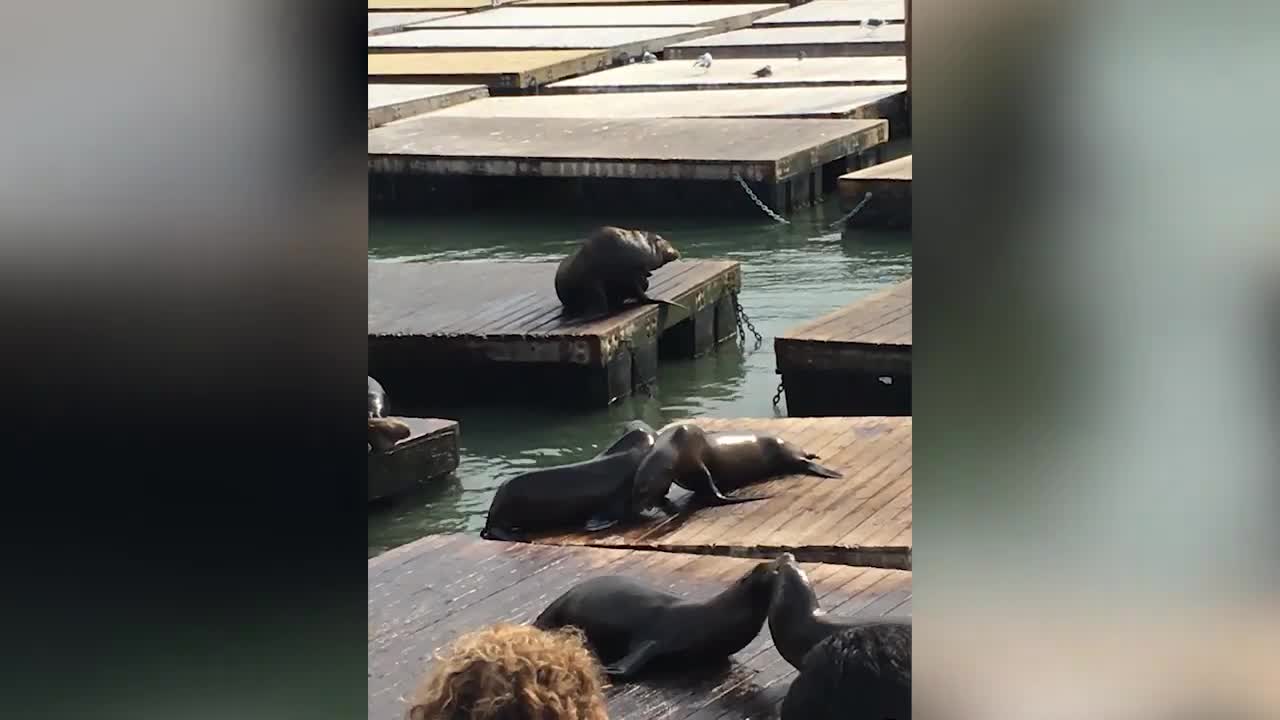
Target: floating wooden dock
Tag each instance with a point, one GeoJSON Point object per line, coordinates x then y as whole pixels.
{"type": "Point", "coordinates": [869, 102]}
{"type": "Point", "coordinates": [388, 103]}
{"type": "Point", "coordinates": [838, 364]}
{"type": "Point", "coordinates": [738, 74]}
{"type": "Point", "coordinates": [890, 186]}
{"type": "Point", "coordinates": [613, 164]}
{"type": "Point", "coordinates": [838, 12]}
{"type": "Point", "coordinates": [620, 41]}
{"type": "Point", "coordinates": [863, 518]}
{"type": "Point", "coordinates": [786, 42]}
{"type": "Point", "coordinates": [624, 3]}
{"type": "Point", "coordinates": [431, 452]}
{"type": "Point", "coordinates": [428, 5]}
{"type": "Point", "coordinates": [479, 331]}
{"type": "Point", "coordinates": [719, 17]}
{"type": "Point", "coordinates": [500, 70]}
{"type": "Point", "coordinates": [383, 23]}
{"type": "Point", "coordinates": [425, 594]}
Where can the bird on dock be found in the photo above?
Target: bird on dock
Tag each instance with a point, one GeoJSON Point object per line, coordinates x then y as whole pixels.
{"type": "Point", "coordinates": [703, 61]}
{"type": "Point", "coordinates": [765, 71]}
{"type": "Point", "coordinates": [800, 56]}
{"type": "Point", "coordinates": [648, 57]}
{"type": "Point", "coordinates": [872, 24]}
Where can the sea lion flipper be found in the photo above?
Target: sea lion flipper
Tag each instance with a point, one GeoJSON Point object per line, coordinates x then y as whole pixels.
{"type": "Point", "coordinates": [721, 498]}
{"type": "Point", "coordinates": [646, 300]}
{"type": "Point", "coordinates": [497, 533]}
{"type": "Point", "coordinates": [600, 522]}
{"type": "Point", "coordinates": [815, 469]}
{"type": "Point", "coordinates": [633, 660]}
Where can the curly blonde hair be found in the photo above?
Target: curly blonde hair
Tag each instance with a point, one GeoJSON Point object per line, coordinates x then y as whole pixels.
{"type": "Point", "coordinates": [512, 672]}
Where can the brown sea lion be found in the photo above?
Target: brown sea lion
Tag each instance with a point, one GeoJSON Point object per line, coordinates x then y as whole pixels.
{"type": "Point", "coordinates": [629, 624]}
{"type": "Point", "coordinates": [679, 454]}
{"type": "Point", "coordinates": [611, 267]}
{"type": "Point", "coordinates": [796, 622]}
{"type": "Point", "coordinates": [862, 671]}
{"type": "Point", "coordinates": [384, 433]}
{"type": "Point", "coordinates": [735, 460]}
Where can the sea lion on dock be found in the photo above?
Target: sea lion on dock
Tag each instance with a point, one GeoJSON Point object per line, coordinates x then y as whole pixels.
{"type": "Point", "coordinates": [712, 464]}
{"type": "Point", "coordinates": [385, 432]}
{"type": "Point", "coordinates": [377, 399]}
{"type": "Point", "coordinates": [857, 672]}
{"type": "Point", "coordinates": [630, 625]}
{"type": "Point", "coordinates": [591, 495]}
{"type": "Point", "coordinates": [611, 266]}
{"type": "Point", "coordinates": [796, 622]}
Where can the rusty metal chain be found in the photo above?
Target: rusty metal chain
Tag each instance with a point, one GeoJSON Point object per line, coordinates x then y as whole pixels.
{"type": "Point", "coordinates": [758, 202]}
{"type": "Point", "coordinates": [777, 397]}
{"type": "Point", "coordinates": [865, 199]}
{"type": "Point", "coordinates": [744, 320]}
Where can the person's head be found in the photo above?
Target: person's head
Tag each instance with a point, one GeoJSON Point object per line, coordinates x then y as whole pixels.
{"type": "Point", "coordinates": [859, 673]}
{"type": "Point", "coordinates": [512, 672]}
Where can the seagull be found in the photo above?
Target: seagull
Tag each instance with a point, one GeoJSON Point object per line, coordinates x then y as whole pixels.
{"type": "Point", "coordinates": [765, 71]}
{"type": "Point", "coordinates": [800, 56]}
{"type": "Point", "coordinates": [872, 24]}
{"type": "Point", "coordinates": [703, 61]}
{"type": "Point", "coordinates": [648, 57]}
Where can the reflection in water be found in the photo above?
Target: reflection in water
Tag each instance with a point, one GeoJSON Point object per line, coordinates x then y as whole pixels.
{"type": "Point", "coordinates": [791, 273]}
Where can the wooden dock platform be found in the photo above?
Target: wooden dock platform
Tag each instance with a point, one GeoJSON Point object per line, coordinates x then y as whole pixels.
{"type": "Point", "coordinates": [861, 519]}
{"type": "Point", "coordinates": [425, 594]}
{"type": "Point", "coordinates": [620, 41]}
{"type": "Point", "coordinates": [452, 161]}
{"type": "Point", "coordinates": [388, 103]}
{"type": "Point", "coordinates": [389, 22]}
{"type": "Point", "coordinates": [733, 73]}
{"type": "Point", "coordinates": [499, 70]}
{"type": "Point", "coordinates": [623, 3]}
{"type": "Point", "coordinates": [786, 42]}
{"type": "Point", "coordinates": [431, 452]}
{"type": "Point", "coordinates": [857, 102]}
{"type": "Point", "coordinates": [838, 12]}
{"type": "Point", "coordinates": [890, 186]}
{"type": "Point", "coordinates": [479, 331]}
{"type": "Point", "coordinates": [376, 6]}
{"type": "Point", "coordinates": [838, 363]}
{"type": "Point", "coordinates": [719, 17]}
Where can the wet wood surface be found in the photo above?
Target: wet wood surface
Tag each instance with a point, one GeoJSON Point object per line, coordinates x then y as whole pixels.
{"type": "Point", "coordinates": [863, 518]}
{"type": "Point", "coordinates": [425, 594]}
{"type": "Point", "coordinates": [882, 318]}
{"type": "Point", "coordinates": [838, 12]}
{"type": "Point", "coordinates": [506, 69]}
{"type": "Point", "coordinates": [757, 149]}
{"type": "Point", "coordinates": [881, 101]}
{"type": "Point", "coordinates": [786, 42]}
{"type": "Point", "coordinates": [388, 103]}
{"type": "Point", "coordinates": [727, 73]}
{"type": "Point", "coordinates": [430, 452]}
{"type": "Point", "coordinates": [510, 311]}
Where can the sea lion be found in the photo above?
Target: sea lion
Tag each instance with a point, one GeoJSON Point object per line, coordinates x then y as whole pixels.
{"type": "Point", "coordinates": [611, 267]}
{"type": "Point", "coordinates": [385, 432]}
{"type": "Point", "coordinates": [856, 672]}
{"type": "Point", "coordinates": [736, 460]}
{"type": "Point", "coordinates": [377, 399]}
{"type": "Point", "coordinates": [592, 495]}
{"type": "Point", "coordinates": [796, 622]}
{"type": "Point", "coordinates": [629, 624]}
{"type": "Point", "coordinates": [679, 454]}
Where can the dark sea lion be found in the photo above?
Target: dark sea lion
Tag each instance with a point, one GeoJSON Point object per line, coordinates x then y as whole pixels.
{"type": "Point", "coordinates": [678, 454]}
{"type": "Point", "coordinates": [736, 460]}
{"type": "Point", "coordinates": [857, 673]}
{"type": "Point", "coordinates": [610, 267]}
{"type": "Point", "coordinates": [630, 624]}
{"type": "Point", "coordinates": [377, 399]}
{"type": "Point", "coordinates": [591, 495]}
{"type": "Point", "coordinates": [796, 622]}
{"type": "Point", "coordinates": [385, 432]}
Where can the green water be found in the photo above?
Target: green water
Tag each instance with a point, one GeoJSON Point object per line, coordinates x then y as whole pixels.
{"type": "Point", "coordinates": [791, 273]}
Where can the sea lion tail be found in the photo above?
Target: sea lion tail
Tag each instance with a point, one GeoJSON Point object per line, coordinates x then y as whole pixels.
{"type": "Point", "coordinates": [814, 468]}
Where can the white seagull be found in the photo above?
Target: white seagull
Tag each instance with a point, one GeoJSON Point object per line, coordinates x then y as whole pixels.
{"type": "Point", "coordinates": [648, 57]}
{"type": "Point", "coordinates": [703, 61]}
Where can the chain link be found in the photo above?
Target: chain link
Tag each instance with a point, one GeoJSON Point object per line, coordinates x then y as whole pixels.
{"type": "Point", "coordinates": [758, 202]}
{"type": "Point", "coordinates": [743, 319]}
{"type": "Point", "coordinates": [777, 397]}
{"type": "Point", "coordinates": [865, 199]}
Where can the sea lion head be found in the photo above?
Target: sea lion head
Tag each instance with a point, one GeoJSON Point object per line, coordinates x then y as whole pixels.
{"type": "Point", "coordinates": [792, 582]}
{"type": "Point", "coordinates": [665, 251]}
